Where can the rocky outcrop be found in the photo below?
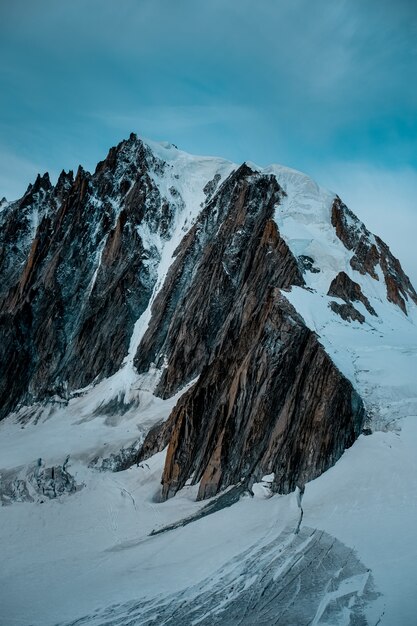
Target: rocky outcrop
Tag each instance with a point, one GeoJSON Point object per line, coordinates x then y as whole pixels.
{"type": "Point", "coordinates": [36, 483]}
{"type": "Point", "coordinates": [347, 312]}
{"type": "Point", "coordinates": [271, 400]}
{"type": "Point", "coordinates": [399, 287]}
{"type": "Point", "coordinates": [18, 224]}
{"type": "Point", "coordinates": [155, 441]}
{"type": "Point", "coordinates": [268, 398]}
{"type": "Point", "coordinates": [342, 286]}
{"type": "Point", "coordinates": [371, 255]}
{"type": "Point", "coordinates": [307, 264]}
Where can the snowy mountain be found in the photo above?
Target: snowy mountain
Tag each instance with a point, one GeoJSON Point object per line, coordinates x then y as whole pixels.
{"type": "Point", "coordinates": [208, 383]}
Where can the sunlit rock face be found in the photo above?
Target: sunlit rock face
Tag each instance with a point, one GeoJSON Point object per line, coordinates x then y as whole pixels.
{"type": "Point", "coordinates": [233, 247]}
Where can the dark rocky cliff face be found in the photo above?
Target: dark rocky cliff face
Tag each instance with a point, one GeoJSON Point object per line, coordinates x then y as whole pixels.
{"type": "Point", "coordinates": [345, 288]}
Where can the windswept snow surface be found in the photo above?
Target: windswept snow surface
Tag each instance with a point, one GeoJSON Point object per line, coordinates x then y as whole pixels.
{"type": "Point", "coordinates": [90, 556]}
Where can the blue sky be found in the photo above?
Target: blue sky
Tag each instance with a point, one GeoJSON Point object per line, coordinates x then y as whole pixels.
{"type": "Point", "coordinates": [329, 88]}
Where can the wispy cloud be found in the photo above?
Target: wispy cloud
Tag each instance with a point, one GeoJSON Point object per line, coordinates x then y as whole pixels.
{"type": "Point", "coordinates": [163, 119]}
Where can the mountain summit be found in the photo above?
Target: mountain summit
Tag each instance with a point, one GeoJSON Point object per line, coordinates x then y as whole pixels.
{"type": "Point", "coordinates": [228, 326]}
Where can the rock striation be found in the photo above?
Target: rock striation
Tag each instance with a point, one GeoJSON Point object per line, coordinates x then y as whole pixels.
{"type": "Point", "coordinates": [270, 401]}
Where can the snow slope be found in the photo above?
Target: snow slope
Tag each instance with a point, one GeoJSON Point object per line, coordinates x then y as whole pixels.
{"type": "Point", "coordinates": [65, 559]}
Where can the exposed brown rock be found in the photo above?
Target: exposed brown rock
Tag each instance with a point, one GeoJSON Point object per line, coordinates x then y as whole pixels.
{"type": "Point", "coordinates": [399, 287]}
{"type": "Point", "coordinates": [355, 236]}
{"type": "Point", "coordinates": [347, 312]}
{"type": "Point", "coordinates": [18, 229]}
{"type": "Point", "coordinates": [342, 286]}
{"type": "Point", "coordinates": [270, 401]}
{"type": "Point", "coordinates": [366, 258]}
{"type": "Point", "coordinates": [156, 440]}
{"type": "Point", "coordinates": [369, 252]}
